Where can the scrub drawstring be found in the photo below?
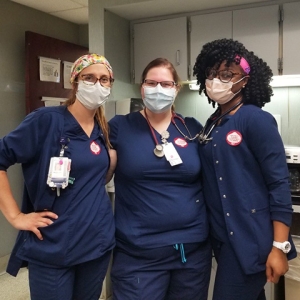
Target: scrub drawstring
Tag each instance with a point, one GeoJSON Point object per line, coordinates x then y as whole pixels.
{"type": "Point", "coordinates": [183, 259]}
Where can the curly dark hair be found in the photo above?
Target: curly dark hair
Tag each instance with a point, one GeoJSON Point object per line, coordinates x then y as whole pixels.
{"type": "Point", "coordinates": [257, 91]}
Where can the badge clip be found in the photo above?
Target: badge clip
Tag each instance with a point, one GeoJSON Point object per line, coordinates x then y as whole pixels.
{"type": "Point", "coordinates": [58, 175]}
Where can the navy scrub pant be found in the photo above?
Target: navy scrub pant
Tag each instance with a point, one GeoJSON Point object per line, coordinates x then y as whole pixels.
{"type": "Point", "coordinates": [160, 274]}
{"type": "Point", "coordinates": [79, 282]}
{"type": "Point", "coordinates": [231, 282]}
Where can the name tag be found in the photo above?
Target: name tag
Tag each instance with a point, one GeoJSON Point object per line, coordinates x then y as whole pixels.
{"type": "Point", "coordinates": [171, 154]}
{"type": "Point", "coordinates": [59, 170]}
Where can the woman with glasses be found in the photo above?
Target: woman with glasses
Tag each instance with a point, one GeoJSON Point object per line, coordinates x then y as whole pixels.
{"type": "Point", "coordinates": [66, 222]}
{"type": "Point", "coordinates": [245, 175]}
{"type": "Point", "coordinates": [161, 227]}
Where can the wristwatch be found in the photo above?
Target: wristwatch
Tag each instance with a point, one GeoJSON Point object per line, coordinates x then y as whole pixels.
{"type": "Point", "coordinates": [285, 246]}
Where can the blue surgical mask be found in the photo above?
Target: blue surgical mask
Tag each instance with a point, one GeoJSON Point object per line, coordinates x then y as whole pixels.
{"type": "Point", "coordinates": [158, 99]}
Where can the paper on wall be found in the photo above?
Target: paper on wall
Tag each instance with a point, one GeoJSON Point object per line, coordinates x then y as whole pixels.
{"type": "Point", "coordinates": [49, 69]}
{"type": "Point", "coordinates": [67, 74]}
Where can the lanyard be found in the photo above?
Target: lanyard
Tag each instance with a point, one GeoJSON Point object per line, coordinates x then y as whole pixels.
{"type": "Point", "coordinates": [63, 142]}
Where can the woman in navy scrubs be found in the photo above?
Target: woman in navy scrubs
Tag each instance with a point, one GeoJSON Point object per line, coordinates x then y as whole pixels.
{"type": "Point", "coordinates": [66, 222]}
{"type": "Point", "coordinates": [161, 226]}
{"type": "Point", "coordinates": [245, 175]}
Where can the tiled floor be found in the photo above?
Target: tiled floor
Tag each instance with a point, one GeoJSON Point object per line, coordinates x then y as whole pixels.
{"type": "Point", "coordinates": [14, 288]}
{"type": "Point", "coordinates": [17, 288]}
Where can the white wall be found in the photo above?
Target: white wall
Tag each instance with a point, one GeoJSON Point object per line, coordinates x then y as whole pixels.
{"type": "Point", "coordinates": [190, 103]}
{"type": "Point", "coordinates": [285, 102]}
{"type": "Point", "coordinates": [117, 51]}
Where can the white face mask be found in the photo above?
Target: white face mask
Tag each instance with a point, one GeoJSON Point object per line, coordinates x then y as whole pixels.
{"type": "Point", "coordinates": [158, 99]}
{"type": "Point", "coordinates": [92, 96]}
{"type": "Point", "coordinates": [220, 91]}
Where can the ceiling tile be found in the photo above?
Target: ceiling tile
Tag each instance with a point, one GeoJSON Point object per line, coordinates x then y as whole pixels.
{"type": "Point", "coordinates": [130, 9]}
{"type": "Point", "coordinates": [158, 8]}
{"type": "Point", "coordinates": [49, 6]}
{"type": "Point", "coordinates": [82, 2]}
{"type": "Point", "coordinates": [77, 16]}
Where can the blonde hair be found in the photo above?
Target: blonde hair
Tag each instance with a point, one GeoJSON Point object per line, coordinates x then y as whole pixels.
{"type": "Point", "coordinates": [100, 116]}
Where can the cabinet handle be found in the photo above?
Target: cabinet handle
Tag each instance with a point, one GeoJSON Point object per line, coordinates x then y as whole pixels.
{"type": "Point", "coordinates": [178, 57]}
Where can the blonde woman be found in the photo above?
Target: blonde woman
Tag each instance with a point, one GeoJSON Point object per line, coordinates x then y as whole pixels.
{"type": "Point", "coordinates": [66, 221]}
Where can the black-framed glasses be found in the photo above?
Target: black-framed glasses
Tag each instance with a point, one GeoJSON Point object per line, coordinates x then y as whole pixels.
{"type": "Point", "coordinates": [164, 84]}
{"type": "Point", "coordinates": [91, 79]}
{"type": "Point", "coordinates": [224, 75]}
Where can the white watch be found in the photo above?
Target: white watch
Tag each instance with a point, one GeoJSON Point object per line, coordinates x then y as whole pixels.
{"type": "Point", "coordinates": [285, 246]}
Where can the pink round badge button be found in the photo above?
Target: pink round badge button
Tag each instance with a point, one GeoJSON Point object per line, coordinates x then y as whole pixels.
{"type": "Point", "coordinates": [180, 142]}
{"type": "Point", "coordinates": [234, 138]}
{"type": "Point", "coordinates": [95, 148]}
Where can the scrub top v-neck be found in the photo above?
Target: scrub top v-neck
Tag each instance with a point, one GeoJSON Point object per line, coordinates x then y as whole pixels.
{"type": "Point", "coordinates": [84, 229]}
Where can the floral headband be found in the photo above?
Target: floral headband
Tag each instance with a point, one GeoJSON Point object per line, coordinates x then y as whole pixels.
{"type": "Point", "coordinates": [87, 60]}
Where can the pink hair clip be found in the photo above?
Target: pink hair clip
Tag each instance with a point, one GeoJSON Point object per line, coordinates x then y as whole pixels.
{"type": "Point", "coordinates": [244, 64]}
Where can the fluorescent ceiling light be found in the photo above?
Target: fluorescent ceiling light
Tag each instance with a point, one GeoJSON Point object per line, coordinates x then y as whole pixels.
{"type": "Point", "coordinates": [285, 80]}
{"type": "Point", "coordinates": [277, 81]}
{"type": "Point", "coordinates": [193, 85]}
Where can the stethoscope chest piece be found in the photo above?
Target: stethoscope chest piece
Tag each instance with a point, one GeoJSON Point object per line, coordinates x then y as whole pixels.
{"type": "Point", "coordinates": [203, 138]}
{"type": "Point", "coordinates": [159, 151]}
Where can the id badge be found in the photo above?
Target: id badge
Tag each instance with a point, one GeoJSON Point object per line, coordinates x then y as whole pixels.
{"type": "Point", "coordinates": [59, 170]}
{"type": "Point", "coordinates": [171, 154]}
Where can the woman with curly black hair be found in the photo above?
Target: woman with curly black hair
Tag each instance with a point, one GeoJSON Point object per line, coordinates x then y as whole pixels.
{"type": "Point", "coordinates": [245, 175]}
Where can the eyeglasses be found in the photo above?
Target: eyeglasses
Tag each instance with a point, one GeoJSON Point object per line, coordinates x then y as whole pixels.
{"type": "Point", "coordinates": [91, 79]}
{"type": "Point", "coordinates": [164, 84]}
{"type": "Point", "coordinates": [224, 75]}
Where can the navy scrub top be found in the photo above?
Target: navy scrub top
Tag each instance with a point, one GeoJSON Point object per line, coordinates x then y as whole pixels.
{"type": "Point", "coordinates": [246, 184]}
{"type": "Point", "coordinates": [156, 204]}
{"type": "Point", "coordinates": [84, 229]}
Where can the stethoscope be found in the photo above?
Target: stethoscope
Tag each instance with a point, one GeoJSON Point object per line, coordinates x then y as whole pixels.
{"type": "Point", "coordinates": [158, 150]}
{"type": "Point", "coordinates": [190, 138]}
{"type": "Point", "coordinates": [204, 137]}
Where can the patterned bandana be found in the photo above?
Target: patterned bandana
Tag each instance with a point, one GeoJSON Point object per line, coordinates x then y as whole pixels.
{"type": "Point", "coordinates": [87, 60]}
